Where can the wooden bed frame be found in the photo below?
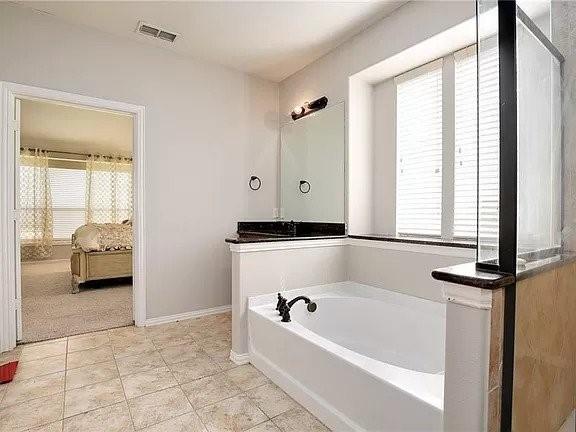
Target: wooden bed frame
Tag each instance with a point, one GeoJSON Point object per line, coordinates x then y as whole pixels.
{"type": "Point", "coordinates": [88, 266]}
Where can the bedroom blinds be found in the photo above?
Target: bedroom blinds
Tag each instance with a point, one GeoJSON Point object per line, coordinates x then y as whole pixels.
{"type": "Point", "coordinates": [108, 189]}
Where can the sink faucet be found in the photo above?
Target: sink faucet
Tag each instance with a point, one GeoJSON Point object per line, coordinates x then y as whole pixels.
{"type": "Point", "coordinates": [284, 308]}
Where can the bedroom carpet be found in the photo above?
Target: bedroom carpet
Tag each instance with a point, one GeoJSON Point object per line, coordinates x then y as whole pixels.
{"type": "Point", "coordinates": [50, 311]}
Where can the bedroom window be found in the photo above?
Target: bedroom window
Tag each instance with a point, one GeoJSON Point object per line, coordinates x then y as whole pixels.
{"type": "Point", "coordinates": [68, 187]}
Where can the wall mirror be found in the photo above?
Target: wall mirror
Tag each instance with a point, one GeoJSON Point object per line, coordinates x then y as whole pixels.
{"type": "Point", "coordinates": [312, 167]}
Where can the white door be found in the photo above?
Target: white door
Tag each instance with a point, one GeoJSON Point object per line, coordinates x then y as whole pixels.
{"type": "Point", "coordinates": [16, 204]}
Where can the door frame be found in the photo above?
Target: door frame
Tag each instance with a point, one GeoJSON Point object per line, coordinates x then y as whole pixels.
{"type": "Point", "coordinates": [9, 255]}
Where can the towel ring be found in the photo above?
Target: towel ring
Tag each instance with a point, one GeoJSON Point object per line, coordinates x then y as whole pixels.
{"type": "Point", "coordinates": [304, 186]}
{"type": "Point", "coordinates": [258, 183]}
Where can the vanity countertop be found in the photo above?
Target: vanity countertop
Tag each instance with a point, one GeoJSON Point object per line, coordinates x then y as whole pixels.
{"type": "Point", "coordinates": [261, 238]}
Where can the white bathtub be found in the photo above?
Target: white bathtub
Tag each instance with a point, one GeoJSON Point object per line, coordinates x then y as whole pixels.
{"type": "Point", "coordinates": [367, 359]}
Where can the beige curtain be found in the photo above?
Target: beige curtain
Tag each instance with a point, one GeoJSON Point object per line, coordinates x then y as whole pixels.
{"type": "Point", "coordinates": [35, 205]}
{"type": "Point", "coordinates": [108, 189]}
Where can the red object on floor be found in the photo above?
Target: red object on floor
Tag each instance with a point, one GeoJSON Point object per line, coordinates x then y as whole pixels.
{"type": "Point", "coordinates": [7, 372]}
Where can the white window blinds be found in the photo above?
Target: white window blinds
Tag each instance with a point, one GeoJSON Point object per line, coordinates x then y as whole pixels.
{"type": "Point", "coordinates": [466, 162]}
{"type": "Point", "coordinates": [419, 151]}
{"type": "Point", "coordinates": [68, 187]}
{"type": "Point", "coordinates": [465, 157]}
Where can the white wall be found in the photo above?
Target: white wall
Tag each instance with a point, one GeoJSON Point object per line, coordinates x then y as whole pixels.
{"type": "Point", "coordinates": [384, 162]}
{"type": "Point", "coordinates": [406, 27]}
{"type": "Point", "coordinates": [208, 128]}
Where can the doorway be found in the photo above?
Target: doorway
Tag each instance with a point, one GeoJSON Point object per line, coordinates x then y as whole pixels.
{"type": "Point", "coordinates": [79, 287]}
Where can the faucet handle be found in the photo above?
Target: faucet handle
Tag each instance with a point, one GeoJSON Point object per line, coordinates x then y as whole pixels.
{"type": "Point", "coordinates": [282, 306]}
{"type": "Point", "coordinates": [280, 299]}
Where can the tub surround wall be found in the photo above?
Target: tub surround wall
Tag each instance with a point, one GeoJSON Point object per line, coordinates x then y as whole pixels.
{"type": "Point", "coordinates": [403, 267]}
{"type": "Point", "coordinates": [268, 267]}
{"type": "Point", "coordinates": [264, 268]}
{"type": "Point", "coordinates": [545, 350]}
{"type": "Point", "coordinates": [468, 336]}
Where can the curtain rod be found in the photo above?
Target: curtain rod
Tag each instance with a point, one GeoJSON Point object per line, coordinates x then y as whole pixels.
{"type": "Point", "coordinates": [81, 155]}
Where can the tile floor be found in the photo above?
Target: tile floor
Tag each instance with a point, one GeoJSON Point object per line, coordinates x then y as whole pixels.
{"type": "Point", "coordinates": [173, 377]}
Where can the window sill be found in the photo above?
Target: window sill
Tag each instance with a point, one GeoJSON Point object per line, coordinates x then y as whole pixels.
{"type": "Point", "coordinates": [415, 240]}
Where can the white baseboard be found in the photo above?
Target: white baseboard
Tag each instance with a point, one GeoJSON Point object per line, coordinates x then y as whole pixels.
{"type": "Point", "coordinates": [329, 415]}
{"type": "Point", "coordinates": [187, 315]}
{"type": "Point", "coordinates": [239, 359]}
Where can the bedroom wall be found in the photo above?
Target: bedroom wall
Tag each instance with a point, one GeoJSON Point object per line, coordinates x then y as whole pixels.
{"type": "Point", "coordinates": [208, 128]}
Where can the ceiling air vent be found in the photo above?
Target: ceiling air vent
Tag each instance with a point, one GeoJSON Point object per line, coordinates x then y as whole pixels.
{"type": "Point", "coordinates": [148, 30]}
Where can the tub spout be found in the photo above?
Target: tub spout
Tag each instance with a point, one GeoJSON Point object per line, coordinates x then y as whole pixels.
{"type": "Point", "coordinates": [285, 311]}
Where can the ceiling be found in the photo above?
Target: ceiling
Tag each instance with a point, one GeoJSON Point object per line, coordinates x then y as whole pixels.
{"type": "Point", "coordinates": [69, 128]}
{"type": "Point", "coordinates": [271, 39]}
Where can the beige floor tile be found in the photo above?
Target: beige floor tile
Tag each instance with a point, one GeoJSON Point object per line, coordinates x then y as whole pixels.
{"type": "Point", "coordinates": [271, 399]}
{"type": "Point", "coordinates": [148, 382]}
{"type": "Point", "coordinates": [156, 407]}
{"type": "Point", "coordinates": [91, 374]}
{"type": "Point", "coordinates": [33, 413]}
{"type": "Point", "coordinates": [52, 427]}
{"type": "Point", "coordinates": [113, 418]}
{"type": "Point", "coordinates": [234, 414]}
{"type": "Point", "coordinates": [93, 396]}
{"type": "Point", "coordinates": [199, 367]}
{"type": "Point", "coordinates": [217, 349]}
{"type": "Point", "coordinates": [83, 335]}
{"type": "Point", "coordinates": [247, 377]}
{"type": "Point", "coordinates": [209, 390]}
{"type": "Point", "coordinates": [269, 426]}
{"type": "Point", "coordinates": [88, 342]}
{"type": "Point", "coordinates": [139, 363]}
{"type": "Point", "coordinates": [225, 363]}
{"type": "Point", "coordinates": [45, 366]}
{"type": "Point", "coordinates": [12, 355]}
{"type": "Point", "coordinates": [185, 423]}
{"type": "Point", "coordinates": [174, 337]}
{"type": "Point", "coordinates": [20, 391]}
{"type": "Point", "coordinates": [89, 357]}
{"type": "Point", "coordinates": [299, 420]}
{"type": "Point", "coordinates": [123, 340]}
{"type": "Point", "coordinates": [180, 353]}
{"type": "Point", "coordinates": [139, 347]}
{"type": "Point", "coordinates": [49, 349]}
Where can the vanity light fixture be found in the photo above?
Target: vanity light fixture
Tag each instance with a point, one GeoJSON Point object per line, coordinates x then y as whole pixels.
{"type": "Point", "coordinates": [309, 108]}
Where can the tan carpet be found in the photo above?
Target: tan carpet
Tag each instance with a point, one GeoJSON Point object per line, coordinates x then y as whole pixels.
{"type": "Point", "coordinates": [49, 310]}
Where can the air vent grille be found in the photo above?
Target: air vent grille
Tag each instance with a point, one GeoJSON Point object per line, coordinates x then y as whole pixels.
{"type": "Point", "coordinates": [149, 30]}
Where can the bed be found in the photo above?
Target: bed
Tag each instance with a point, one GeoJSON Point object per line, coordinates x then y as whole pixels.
{"type": "Point", "coordinates": [101, 251]}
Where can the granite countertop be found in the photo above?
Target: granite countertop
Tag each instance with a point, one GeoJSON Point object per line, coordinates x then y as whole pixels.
{"type": "Point", "coordinates": [468, 274]}
{"type": "Point", "coordinates": [415, 240]}
{"type": "Point", "coordinates": [262, 238]}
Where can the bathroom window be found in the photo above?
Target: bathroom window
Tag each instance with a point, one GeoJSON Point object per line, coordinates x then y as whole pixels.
{"type": "Point", "coordinates": [419, 151]}
{"type": "Point", "coordinates": [432, 199]}
{"type": "Point", "coordinates": [466, 143]}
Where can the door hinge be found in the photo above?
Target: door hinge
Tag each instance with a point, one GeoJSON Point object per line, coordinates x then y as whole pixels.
{"type": "Point", "coordinates": [15, 125]}
{"type": "Point", "coordinates": [15, 215]}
